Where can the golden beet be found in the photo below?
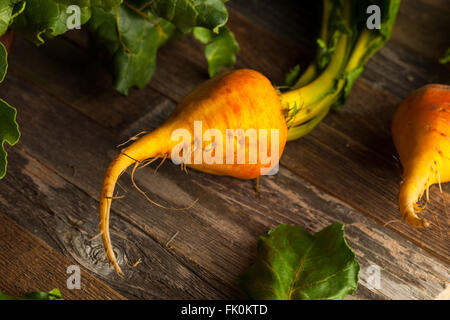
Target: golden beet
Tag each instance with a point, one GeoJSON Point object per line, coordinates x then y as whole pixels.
{"type": "Point", "coordinates": [244, 101]}
{"type": "Point", "coordinates": [421, 134]}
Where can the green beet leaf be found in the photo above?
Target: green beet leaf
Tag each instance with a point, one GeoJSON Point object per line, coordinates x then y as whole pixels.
{"type": "Point", "coordinates": [45, 18]}
{"type": "Point", "coordinates": [186, 14]}
{"type": "Point", "coordinates": [9, 132]}
{"type": "Point", "coordinates": [6, 9]}
{"type": "Point", "coordinates": [9, 129]}
{"type": "Point", "coordinates": [3, 62]}
{"type": "Point", "coordinates": [220, 50]}
{"type": "Point", "coordinates": [131, 40]}
{"type": "Point", "coordinates": [9, 9]}
{"type": "Point", "coordinates": [294, 265]}
{"type": "Point", "coordinates": [104, 4]}
{"type": "Point", "coordinates": [54, 294]}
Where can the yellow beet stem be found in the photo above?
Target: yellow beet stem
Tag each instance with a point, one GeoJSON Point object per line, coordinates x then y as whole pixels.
{"type": "Point", "coordinates": [311, 72]}
{"type": "Point", "coordinates": [149, 146]}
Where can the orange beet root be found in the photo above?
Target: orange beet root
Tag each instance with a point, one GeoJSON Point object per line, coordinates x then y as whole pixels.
{"type": "Point", "coordinates": [421, 134]}
{"type": "Point", "coordinates": [242, 99]}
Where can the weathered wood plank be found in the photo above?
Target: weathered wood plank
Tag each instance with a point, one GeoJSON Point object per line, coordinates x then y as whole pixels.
{"type": "Point", "coordinates": [260, 50]}
{"type": "Point", "coordinates": [338, 160]}
{"type": "Point", "coordinates": [394, 69]}
{"type": "Point", "coordinates": [399, 71]}
{"type": "Point", "coordinates": [297, 21]}
{"type": "Point", "coordinates": [28, 264]}
{"type": "Point", "coordinates": [366, 118]}
{"type": "Point", "coordinates": [181, 67]}
{"type": "Point", "coordinates": [76, 77]}
{"type": "Point", "coordinates": [219, 233]}
{"type": "Point", "coordinates": [408, 61]}
{"type": "Point", "coordinates": [423, 27]}
{"type": "Point", "coordinates": [368, 144]}
{"type": "Point", "coordinates": [65, 218]}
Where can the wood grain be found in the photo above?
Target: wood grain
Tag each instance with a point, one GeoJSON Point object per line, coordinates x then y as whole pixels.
{"type": "Point", "coordinates": [60, 65]}
{"type": "Point", "coordinates": [218, 235]}
{"type": "Point", "coordinates": [66, 218]}
{"type": "Point", "coordinates": [345, 170]}
{"type": "Point", "coordinates": [423, 27]}
{"type": "Point", "coordinates": [365, 174]}
{"type": "Point", "coordinates": [28, 264]}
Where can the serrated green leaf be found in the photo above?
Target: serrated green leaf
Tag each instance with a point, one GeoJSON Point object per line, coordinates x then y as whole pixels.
{"type": "Point", "coordinates": [203, 35]}
{"type": "Point", "coordinates": [294, 265]}
{"type": "Point", "coordinates": [3, 62]}
{"type": "Point", "coordinates": [45, 18]}
{"type": "Point", "coordinates": [9, 132]}
{"type": "Point", "coordinates": [220, 50]}
{"type": "Point", "coordinates": [19, 7]}
{"type": "Point", "coordinates": [54, 294]}
{"type": "Point", "coordinates": [131, 40]}
{"type": "Point", "coordinates": [186, 14]}
{"type": "Point", "coordinates": [8, 11]}
{"type": "Point", "coordinates": [9, 129]}
{"type": "Point", "coordinates": [104, 4]}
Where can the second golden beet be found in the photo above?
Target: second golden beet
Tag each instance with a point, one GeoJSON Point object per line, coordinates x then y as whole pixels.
{"type": "Point", "coordinates": [421, 134]}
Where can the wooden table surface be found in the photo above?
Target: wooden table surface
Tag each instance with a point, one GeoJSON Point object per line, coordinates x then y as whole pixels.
{"type": "Point", "coordinates": [346, 170]}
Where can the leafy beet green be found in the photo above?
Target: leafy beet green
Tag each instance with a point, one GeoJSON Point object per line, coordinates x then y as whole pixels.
{"type": "Point", "coordinates": [294, 265]}
{"type": "Point", "coordinates": [9, 9]}
{"type": "Point", "coordinates": [105, 4]}
{"type": "Point", "coordinates": [220, 49]}
{"type": "Point", "coordinates": [128, 32]}
{"type": "Point", "coordinates": [131, 43]}
{"type": "Point", "coordinates": [9, 129]}
{"type": "Point", "coordinates": [9, 132]}
{"type": "Point", "coordinates": [54, 294]}
{"type": "Point", "coordinates": [186, 14]}
{"type": "Point", "coordinates": [3, 62]}
{"type": "Point", "coordinates": [45, 18]}
{"type": "Point", "coordinates": [130, 35]}
{"type": "Point", "coordinates": [345, 44]}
